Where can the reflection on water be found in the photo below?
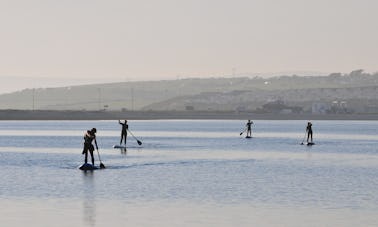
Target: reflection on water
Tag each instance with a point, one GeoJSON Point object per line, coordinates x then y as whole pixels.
{"type": "Point", "coordinates": [114, 213]}
{"type": "Point", "coordinates": [89, 202]}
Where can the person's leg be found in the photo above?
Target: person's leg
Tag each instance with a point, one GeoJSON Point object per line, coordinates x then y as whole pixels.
{"type": "Point", "coordinates": [91, 149]}
{"type": "Point", "coordinates": [308, 136]}
{"type": "Point", "coordinates": [120, 143]}
{"type": "Point", "coordinates": [85, 151]}
{"type": "Point", "coordinates": [92, 158]}
{"type": "Point", "coordinates": [311, 136]}
{"type": "Point", "coordinates": [125, 137]}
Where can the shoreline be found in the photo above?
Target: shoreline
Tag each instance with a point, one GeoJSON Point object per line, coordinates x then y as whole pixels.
{"type": "Point", "coordinates": [174, 115]}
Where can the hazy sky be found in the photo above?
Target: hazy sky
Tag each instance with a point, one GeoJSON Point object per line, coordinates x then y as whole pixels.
{"type": "Point", "coordinates": [123, 40]}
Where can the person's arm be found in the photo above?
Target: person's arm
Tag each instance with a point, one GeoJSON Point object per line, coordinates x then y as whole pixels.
{"type": "Point", "coordinates": [119, 121]}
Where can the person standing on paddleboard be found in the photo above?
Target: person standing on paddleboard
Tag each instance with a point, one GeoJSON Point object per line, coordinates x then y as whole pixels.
{"type": "Point", "coordinates": [125, 127]}
{"type": "Point", "coordinates": [89, 136]}
{"type": "Point", "coordinates": [309, 132]}
{"type": "Point", "coordinates": [249, 128]}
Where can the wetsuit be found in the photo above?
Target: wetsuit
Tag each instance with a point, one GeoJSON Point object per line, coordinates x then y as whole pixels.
{"type": "Point", "coordinates": [309, 132]}
{"type": "Point", "coordinates": [249, 130]}
{"type": "Point", "coordinates": [88, 138]}
{"type": "Point", "coordinates": [125, 127]}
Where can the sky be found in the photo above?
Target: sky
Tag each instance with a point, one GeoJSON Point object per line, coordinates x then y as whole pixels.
{"type": "Point", "coordinates": [53, 43]}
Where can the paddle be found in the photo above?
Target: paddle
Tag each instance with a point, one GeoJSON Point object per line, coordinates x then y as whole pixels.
{"type": "Point", "coordinates": [102, 166]}
{"type": "Point", "coordinates": [138, 141]}
{"type": "Point", "coordinates": [243, 131]}
{"type": "Point", "coordinates": [304, 138]}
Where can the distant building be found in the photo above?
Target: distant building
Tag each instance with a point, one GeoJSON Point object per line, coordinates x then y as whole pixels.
{"type": "Point", "coordinates": [320, 108]}
{"type": "Point", "coordinates": [286, 111]}
{"type": "Point", "coordinates": [279, 106]}
{"type": "Point", "coordinates": [274, 106]}
{"type": "Point", "coordinates": [339, 107]}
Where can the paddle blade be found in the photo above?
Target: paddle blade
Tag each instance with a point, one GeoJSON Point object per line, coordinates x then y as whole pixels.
{"type": "Point", "coordinates": [140, 143]}
{"type": "Point", "coordinates": [102, 166]}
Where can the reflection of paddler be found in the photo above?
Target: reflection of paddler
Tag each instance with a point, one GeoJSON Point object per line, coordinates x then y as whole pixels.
{"type": "Point", "coordinates": [89, 136]}
{"type": "Point", "coordinates": [125, 127]}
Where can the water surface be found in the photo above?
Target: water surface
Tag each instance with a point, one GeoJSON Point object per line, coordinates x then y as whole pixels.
{"type": "Point", "coordinates": [191, 173]}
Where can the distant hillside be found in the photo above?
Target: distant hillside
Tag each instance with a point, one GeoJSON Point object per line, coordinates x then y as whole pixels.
{"type": "Point", "coordinates": [230, 93]}
{"type": "Point", "coordinates": [356, 99]}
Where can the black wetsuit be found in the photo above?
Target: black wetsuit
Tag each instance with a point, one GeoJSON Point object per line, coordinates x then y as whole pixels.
{"type": "Point", "coordinates": [249, 130]}
{"type": "Point", "coordinates": [125, 127]}
{"type": "Point", "coordinates": [88, 138]}
{"type": "Point", "coordinates": [309, 132]}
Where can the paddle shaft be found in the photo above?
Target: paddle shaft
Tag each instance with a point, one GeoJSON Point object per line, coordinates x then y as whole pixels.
{"type": "Point", "coordinates": [243, 131]}
{"type": "Point", "coordinates": [101, 164]}
{"type": "Point", "coordinates": [304, 137]}
{"type": "Point", "coordinates": [140, 143]}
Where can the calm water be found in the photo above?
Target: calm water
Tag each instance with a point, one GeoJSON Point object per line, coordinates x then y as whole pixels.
{"type": "Point", "coordinates": [190, 173]}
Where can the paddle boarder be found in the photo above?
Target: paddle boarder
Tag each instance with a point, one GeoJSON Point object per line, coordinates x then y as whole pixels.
{"type": "Point", "coordinates": [125, 127]}
{"type": "Point", "coordinates": [249, 128]}
{"type": "Point", "coordinates": [89, 137]}
{"type": "Point", "coordinates": [309, 132]}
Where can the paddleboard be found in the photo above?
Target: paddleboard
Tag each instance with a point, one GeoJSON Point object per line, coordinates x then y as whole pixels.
{"type": "Point", "coordinates": [248, 137]}
{"type": "Point", "coordinates": [310, 144]}
{"type": "Point", "coordinates": [119, 147]}
{"type": "Point", "coordinates": [87, 166]}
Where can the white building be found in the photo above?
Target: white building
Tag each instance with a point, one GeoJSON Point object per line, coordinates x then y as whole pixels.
{"type": "Point", "coordinates": [320, 108]}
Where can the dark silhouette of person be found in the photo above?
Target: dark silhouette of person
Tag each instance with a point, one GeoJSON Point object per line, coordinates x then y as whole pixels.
{"type": "Point", "coordinates": [249, 128]}
{"type": "Point", "coordinates": [125, 127]}
{"type": "Point", "coordinates": [309, 131]}
{"type": "Point", "coordinates": [89, 137]}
